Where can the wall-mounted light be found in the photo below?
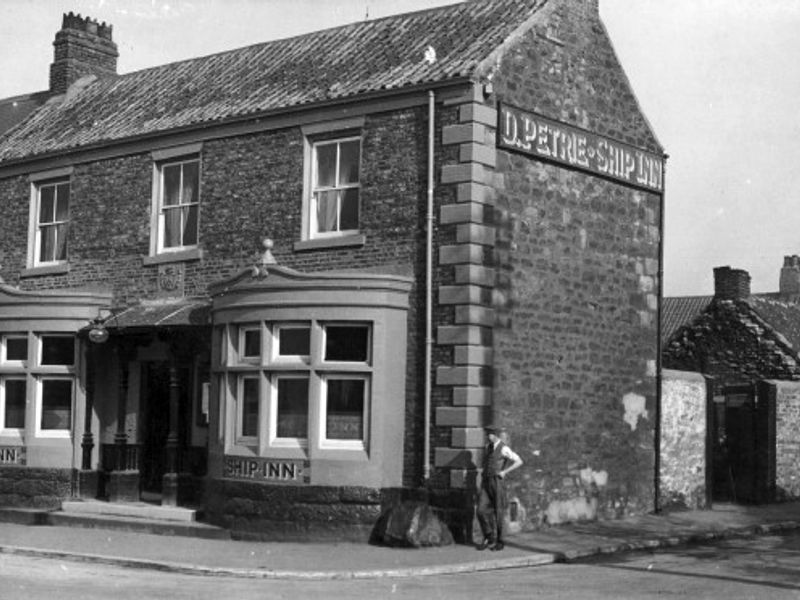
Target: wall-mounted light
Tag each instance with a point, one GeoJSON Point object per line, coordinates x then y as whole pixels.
{"type": "Point", "coordinates": [98, 334]}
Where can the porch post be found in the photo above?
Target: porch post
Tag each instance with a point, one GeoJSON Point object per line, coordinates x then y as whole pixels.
{"type": "Point", "coordinates": [123, 481]}
{"type": "Point", "coordinates": [88, 477]}
{"type": "Point", "coordinates": [170, 482]}
{"type": "Point", "coordinates": [87, 442]}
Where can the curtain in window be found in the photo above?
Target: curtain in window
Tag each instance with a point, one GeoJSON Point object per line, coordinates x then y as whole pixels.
{"type": "Point", "coordinates": [61, 241]}
{"type": "Point", "coordinates": [172, 227]}
{"type": "Point", "coordinates": [326, 211]}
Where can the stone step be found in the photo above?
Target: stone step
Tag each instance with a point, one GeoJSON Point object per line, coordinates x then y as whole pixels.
{"type": "Point", "coordinates": [138, 525]}
{"type": "Point", "coordinates": [137, 510]}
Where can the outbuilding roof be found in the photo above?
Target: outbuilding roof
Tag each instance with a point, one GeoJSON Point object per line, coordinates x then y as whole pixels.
{"type": "Point", "coordinates": [778, 313]}
{"type": "Point", "coordinates": [371, 56]}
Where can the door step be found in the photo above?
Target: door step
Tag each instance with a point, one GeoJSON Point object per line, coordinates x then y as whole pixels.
{"type": "Point", "coordinates": [138, 510]}
{"type": "Point", "coordinates": [134, 517]}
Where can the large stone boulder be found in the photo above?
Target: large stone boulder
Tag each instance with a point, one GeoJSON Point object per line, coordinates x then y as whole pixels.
{"type": "Point", "coordinates": [411, 524]}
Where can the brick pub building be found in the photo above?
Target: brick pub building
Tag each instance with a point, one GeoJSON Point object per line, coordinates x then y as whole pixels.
{"type": "Point", "coordinates": [290, 283]}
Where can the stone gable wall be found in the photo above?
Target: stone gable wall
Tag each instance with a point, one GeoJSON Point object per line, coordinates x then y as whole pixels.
{"type": "Point", "coordinates": [577, 263]}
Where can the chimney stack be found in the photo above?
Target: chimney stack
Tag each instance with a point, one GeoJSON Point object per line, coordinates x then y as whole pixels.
{"type": "Point", "coordinates": [731, 284]}
{"type": "Point", "coordinates": [82, 47]}
{"type": "Point", "coordinates": [790, 276]}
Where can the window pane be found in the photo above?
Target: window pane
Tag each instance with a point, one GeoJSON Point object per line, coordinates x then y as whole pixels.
{"type": "Point", "coordinates": [172, 227]}
{"type": "Point", "coordinates": [62, 202]}
{"type": "Point", "coordinates": [15, 404]}
{"type": "Point", "coordinates": [326, 165]}
{"type": "Point", "coordinates": [191, 178]}
{"type": "Point", "coordinates": [294, 341]}
{"type": "Point", "coordinates": [172, 185]}
{"type": "Point", "coordinates": [56, 404]}
{"type": "Point", "coordinates": [349, 209]}
{"type": "Point", "coordinates": [326, 211]}
{"type": "Point", "coordinates": [61, 241]}
{"type": "Point", "coordinates": [347, 343]}
{"type": "Point", "coordinates": [252, 343]}
{"type": "Point", "coordinates": [345, 417]}
{"type": "Point", "coordinates": [250, 408]}
{"type": "Point", "coordinates": [190, 226]}
{"type": "Point", "coordinates": [292, 408]}
{"type": "Point", "coordinates": [348, 162]}
{"type": "Point", "coordinates": [47, 247]}
{"type": "Point", "coordinates": [58, 350]}
{"type": "Point", "coordinates": [17, 348]}
{"type": "Point", "coordinates": [46, 204]}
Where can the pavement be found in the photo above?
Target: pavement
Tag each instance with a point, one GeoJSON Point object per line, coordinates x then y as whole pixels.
{"type": "Point", "coordinates": [328, 560]}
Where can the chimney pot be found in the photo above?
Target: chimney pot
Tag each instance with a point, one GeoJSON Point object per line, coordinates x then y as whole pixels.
{"type": "Point", "coordinates": [789, 284]}
{"type": "Point", "coordinates": [82, 47]}
{"type": "Point", "coordinates": [731, 284]}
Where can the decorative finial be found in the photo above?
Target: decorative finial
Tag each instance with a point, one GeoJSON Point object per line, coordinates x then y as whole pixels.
{"type": "Point", "coordinates": [260, 270]}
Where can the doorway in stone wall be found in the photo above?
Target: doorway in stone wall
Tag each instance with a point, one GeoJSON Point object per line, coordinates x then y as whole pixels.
{"type": "Point", "coordinates": [155, 398]}
{"type": "Point", "coordinates": [740, 446]}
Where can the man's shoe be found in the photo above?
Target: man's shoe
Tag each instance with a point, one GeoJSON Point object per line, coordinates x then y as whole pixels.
{"type": "Point", "coordinates": [484, 545]}
{"type": "Point", "coordinates": [496, 547]}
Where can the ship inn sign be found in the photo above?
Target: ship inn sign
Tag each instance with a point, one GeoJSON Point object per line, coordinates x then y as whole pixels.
{"type": "Point", "coordinates": [543, 138]}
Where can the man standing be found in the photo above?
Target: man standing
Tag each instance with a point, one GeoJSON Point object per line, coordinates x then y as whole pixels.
{"type": "Point", "coordinates": [498, 461]}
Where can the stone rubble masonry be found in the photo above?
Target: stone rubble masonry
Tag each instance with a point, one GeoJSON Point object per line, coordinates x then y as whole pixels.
{"type": "Point", "coordinates": [787, 442]}
{"type": "Point", "coordinates": [34, 487]}
{"type": "Point", "coordinates": [684, 397]}
{"type": "Point", "coordinates": [469, 376]}
{"type": "Point", "coordinates": [576, 261]}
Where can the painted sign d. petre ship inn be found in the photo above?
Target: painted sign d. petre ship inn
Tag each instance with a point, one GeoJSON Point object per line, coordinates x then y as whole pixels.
{"type": "Point", "coordinates": [290, 283]}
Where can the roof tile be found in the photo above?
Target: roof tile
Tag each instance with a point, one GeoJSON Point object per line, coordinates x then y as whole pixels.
{"type": "Point", "coordinates": [332, 64]}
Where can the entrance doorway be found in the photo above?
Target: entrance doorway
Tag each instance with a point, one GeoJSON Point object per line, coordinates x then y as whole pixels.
{"type": "Point", "coordinates": [155, 392]}
{"type": "Point", "coordinates": [741, 446]}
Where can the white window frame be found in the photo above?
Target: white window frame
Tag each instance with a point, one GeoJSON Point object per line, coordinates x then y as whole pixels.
{"type": "Point", "coordinates": [40, 349]}
{"type": "Point", "coordinates": [314, 135]}
{"type": "Point", "coordinates": [3, 380]}
{"type": "Point", "coordinates": [325, 325]}
{"type": "Point", "coordinates": [161, 159]}
{"type": "Point", "coordinates": [328, 443]}
{"type": "Point", "coordinates": [314, 232]}
{"type": "Point", "coordinates": [4, 360]}
{"type": "Point", "coordinates": [284, 442]}
{"type": "Point", "coordinates": [243, 331]}
{"type": "Point", "coordinates": [276, 356]}
{"type": "Point", "coordinates": [39, 387]}
{"type": "Point", "coordinates": [241, 439]}
{"type": "Point", "coordinates": [37, 182]}
{"type": "Point", "coordinates": [272, 368]}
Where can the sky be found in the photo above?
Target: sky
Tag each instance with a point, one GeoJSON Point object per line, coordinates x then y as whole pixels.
{"type": "Point", "coordinates": [715, 79]}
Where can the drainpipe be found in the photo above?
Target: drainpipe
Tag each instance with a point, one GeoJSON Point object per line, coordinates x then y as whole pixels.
{"type": "Point", "coordinates": [426, 469]}
{"type": "Point", "coordinates": [659, 341]}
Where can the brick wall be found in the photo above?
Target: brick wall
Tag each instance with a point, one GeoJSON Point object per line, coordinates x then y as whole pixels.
{"type": "Point", "coordinates": [577, 275]}
{"type": "Point", "coordinates": [251, 189]}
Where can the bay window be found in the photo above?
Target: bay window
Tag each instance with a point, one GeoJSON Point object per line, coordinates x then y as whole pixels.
{"type": "Point", "coordinates": [310, 368]}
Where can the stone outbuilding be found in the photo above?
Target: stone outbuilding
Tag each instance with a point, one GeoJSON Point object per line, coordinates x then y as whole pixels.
{"type": "Point", "coordinates": [746, 347]}
{"type": "Point", "coordinates": [290, 283]}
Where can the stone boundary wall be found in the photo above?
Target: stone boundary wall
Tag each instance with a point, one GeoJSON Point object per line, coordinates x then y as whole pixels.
{"type": "Point", "coordinates": [683, 440]}
{"type": "Point", "coordinates": [787, 440]}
